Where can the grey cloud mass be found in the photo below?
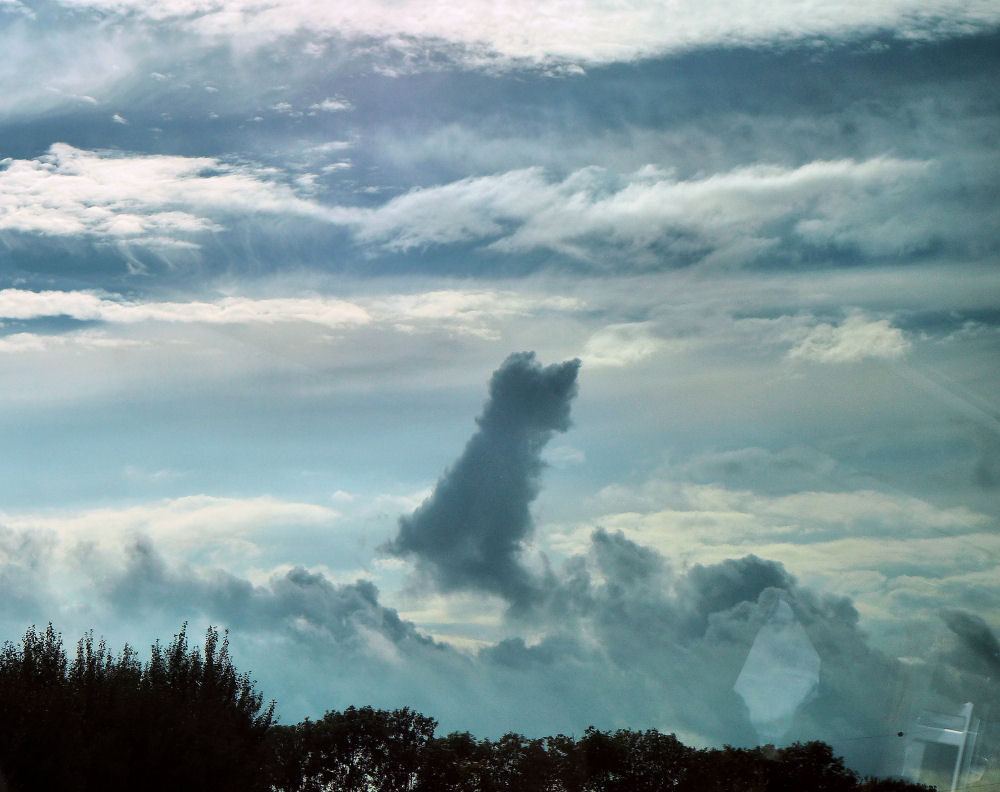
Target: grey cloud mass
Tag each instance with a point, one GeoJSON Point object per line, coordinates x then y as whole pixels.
{"type": "Point", "coordinates": [469, 533]}
{"type": "Point", "coordinates": [976, 637]}
{"type": "Point", "coordinates": [297, 600]}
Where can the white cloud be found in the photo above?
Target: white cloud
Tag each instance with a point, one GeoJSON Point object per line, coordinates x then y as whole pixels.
{"type": "Point", "coordinates": [177, 524]}
{"type": "Point", "coordinates": [476, 312]}
{"type": "Point", "coordinates": [856, 338]}
{"type": "Point", "coordinates": [152, 198]}
{"type": "Point", "coordinates": [473, 311]}
{"type": "Point", "coordinates": [699, 522]}
{"type": "Point", "coordinates": [334, 104]}
{"type": "Point", "coordinates": [723, 218]}
{"type": "Point", "coordinates": [585, 30]}
{"type": "Point", "coordinates": [621, 344]}
{"type": "Point", "coordinates": [84, 306]}
{"type": "Point", "coordinates": [27, 343]}
{"type": "Point", "coordinates": [332, 145]}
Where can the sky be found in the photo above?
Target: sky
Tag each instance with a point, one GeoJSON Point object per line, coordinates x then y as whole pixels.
{"type": "Point", "coordinates": [532, 367]}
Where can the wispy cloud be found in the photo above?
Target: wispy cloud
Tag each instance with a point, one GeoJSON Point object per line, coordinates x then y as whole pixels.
{"type": "Point", "coordinates": [729, 217]}
{"type": "Point", "coordinates": [179, 524]}
{"type": "Point", "coordinates": [474, 311]}
{"type": "Point", "coordinates": [28, 343]}
{"type": "Point", "coordinates": [648, 218]}
{"type": "Point", "coordinates": [147, 198]}
{"type": "Point", "coordinates": [21, 304]}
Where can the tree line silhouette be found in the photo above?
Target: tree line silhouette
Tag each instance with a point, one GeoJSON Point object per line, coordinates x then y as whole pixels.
{"type": "Point", "coordinates": [188, 720]}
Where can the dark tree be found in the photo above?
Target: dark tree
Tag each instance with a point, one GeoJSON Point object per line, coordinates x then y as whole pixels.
{"type": "Point", "coordinates": [184, 720]}
{"type": "Point", "coordinates": [355, 750]}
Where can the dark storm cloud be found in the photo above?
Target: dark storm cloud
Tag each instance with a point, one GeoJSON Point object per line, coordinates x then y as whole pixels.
{"type": "Point", "coordinates": [976, 638]}
{"type": "Point", "coordinates": [623, 624]}
{"type": "Point", "coordinates": [624, 561]}
{"type": "Point", "coordinates": [619, 619]}
{"type": "Point", "coordinates": [720, 587]}
{"type": "Point", "coordinates": [686, 635]}
{"type": "Point", "coordinates": [469, 534]}
{"type": "Point", "coordinates": [296, 600]}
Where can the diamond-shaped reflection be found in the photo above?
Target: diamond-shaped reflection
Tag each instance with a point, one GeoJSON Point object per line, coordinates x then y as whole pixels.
{"type": "Point", "coordinates": [780, 674]}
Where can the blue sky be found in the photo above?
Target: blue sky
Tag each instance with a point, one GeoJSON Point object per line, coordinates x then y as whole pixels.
{"type": "Point", "coordinates": [261, 262]}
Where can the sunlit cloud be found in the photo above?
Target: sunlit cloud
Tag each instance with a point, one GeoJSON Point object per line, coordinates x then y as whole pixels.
{"type": "Point", "coordinates": [463, 311]}
{"type": "Point", "coordinates": [587, 31]}
{"type": "Point", "coordinates": [146, 198]}
{"type": "Point", "coordinates": [856, 338]}
{"type": "Point", "coordinates": [725, 218]}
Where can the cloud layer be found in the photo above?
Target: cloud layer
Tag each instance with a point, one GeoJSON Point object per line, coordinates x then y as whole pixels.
{"type": "Point", "coordinates": [585, 31]}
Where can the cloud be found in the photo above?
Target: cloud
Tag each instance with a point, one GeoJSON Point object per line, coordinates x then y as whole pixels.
{"type": "Point", "coordinates": [976, 637]}
{"type": "Point", "coordinates": [711, 514]}
{"type": "Point", "coordinates": [618, 616]}
{"type": "Point", "coordinates": [29, 343]}
{"type": "Point", "coordinates": [334, 104]}
{"type": "Point", "coordinates": [646, 219]}
{"type": "Point", "coordinates": [782, 472]}
{"type": "Point", "coordinates": [856, 338]}
{"type": "Point", "coordinates": [625, 609]}
{"type": "Point", "coordinates": [85, 306]}
{"type": "Point", "coordinates": [178, 524]}
{"type": "Point", "coordinates": [722, 586]}
{"type": "Point", "coordinates": [590, 31]}
{"type": "Point", "coordinates": [469, 533]}
{"type": "Point", "coordinates": [8, 6]}
{"type": "Point", "coordinates": [157, 199]}
{"type": "Point", "coordinates": [297, 599]}
{"type": "Point", "coordinates": [472, 312]}
{"type": "Point", "coordinates": [235, 533]}
{"type": "Point", "coordinates": [726, 218]}
{"type": "Point", "coordinates": [615, 616]}
{"type": "Point", "coordinates": [622, 344]}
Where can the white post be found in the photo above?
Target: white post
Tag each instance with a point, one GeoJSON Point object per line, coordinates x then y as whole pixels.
{"type": "Point", "coordinates": [967, 714]}
{"type": "Point", "coordinates": [936, 727]}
